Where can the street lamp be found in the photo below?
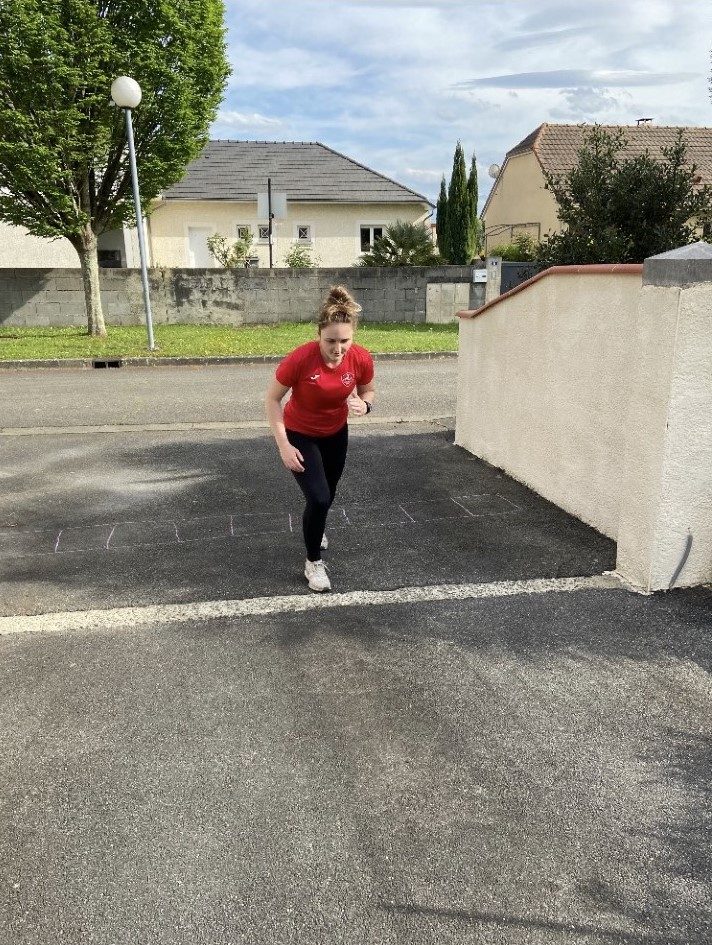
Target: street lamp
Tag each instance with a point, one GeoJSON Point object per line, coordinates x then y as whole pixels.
{"type": "Point", "coordinates": [126, 93]}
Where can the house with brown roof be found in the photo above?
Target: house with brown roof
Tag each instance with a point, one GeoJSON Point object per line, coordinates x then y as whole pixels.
{"type": "Point", "coordinates": [519, 201]}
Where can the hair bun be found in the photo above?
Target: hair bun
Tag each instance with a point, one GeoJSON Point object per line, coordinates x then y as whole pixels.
{"type": "Point", "coordinates": [339, 306]}
{"type": "Point", "coordinates": [339, 297]}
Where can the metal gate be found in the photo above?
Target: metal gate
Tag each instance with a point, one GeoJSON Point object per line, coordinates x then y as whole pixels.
{"type": "Point", "coordinates": [514, 273]}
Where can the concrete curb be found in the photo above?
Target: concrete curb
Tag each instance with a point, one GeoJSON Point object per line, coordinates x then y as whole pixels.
{"type": "Point", "coordinates": [88, 363]}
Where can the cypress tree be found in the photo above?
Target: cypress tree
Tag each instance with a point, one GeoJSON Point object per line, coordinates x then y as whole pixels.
{"type": "Point", "coordinates": [458, 210]}
{"type": "Point", "coordinates": [442, 225]}
{"type": "Point", "coordinates": [474, 241]}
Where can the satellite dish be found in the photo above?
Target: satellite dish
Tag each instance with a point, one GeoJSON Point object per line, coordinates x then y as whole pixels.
{"type": "Point", "coordinates": [493, 170]}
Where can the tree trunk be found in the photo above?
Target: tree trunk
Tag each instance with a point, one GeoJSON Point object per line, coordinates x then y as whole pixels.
{"type": "Point", "coordinates": [86, 246]}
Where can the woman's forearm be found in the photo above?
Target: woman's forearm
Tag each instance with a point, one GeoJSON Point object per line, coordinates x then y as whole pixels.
{"type": "Point", "coordinates": [367, 393]}
{"type": "Point", "coordinates": [276, 421]}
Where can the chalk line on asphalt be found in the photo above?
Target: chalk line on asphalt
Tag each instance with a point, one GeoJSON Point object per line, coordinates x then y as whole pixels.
{"type": "Point", "coordinates": [166, 614]}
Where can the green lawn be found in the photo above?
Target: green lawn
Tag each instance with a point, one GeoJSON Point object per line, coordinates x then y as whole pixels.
{"type": "Point", "coordinates": [176, 341]}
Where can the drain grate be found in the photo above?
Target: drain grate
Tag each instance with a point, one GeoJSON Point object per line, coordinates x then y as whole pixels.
{"type": "Point", "coordinates": [97, 363]}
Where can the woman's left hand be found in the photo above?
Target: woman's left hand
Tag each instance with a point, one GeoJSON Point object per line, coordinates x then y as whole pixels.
{"type": "Point", "coordinates": [357, 407]}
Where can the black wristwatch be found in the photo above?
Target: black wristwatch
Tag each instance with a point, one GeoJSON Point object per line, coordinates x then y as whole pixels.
{"type": "Point", "coordinates": [369, 406]}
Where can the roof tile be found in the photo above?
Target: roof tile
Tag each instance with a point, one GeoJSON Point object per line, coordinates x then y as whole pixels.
{"type": "Point", "coordinates": [557, 146]}
{"type": "Point", "coordinates": [305, 170]}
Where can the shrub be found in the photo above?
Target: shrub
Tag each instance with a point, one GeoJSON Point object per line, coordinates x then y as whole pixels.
{"type": "Point", "coordinates": [299, 257]}
{"type": "Point", "coordinates": [523, 248]}
{"type": "Point", "coordinates": [230, 255]}
{"type": "Point", "coordinates": [403, 244]}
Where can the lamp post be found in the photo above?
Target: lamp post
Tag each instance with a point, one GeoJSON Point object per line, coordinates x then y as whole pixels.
{"type": "Point", "coordinates": [126, 93]}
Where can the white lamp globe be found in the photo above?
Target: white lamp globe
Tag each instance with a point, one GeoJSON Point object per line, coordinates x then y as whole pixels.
{"type": "Point", "coordinates": [126, 92]}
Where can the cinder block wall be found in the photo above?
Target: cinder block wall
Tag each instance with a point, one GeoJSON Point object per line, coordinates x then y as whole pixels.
{"type": "Point", "coordinates": [55, 297]}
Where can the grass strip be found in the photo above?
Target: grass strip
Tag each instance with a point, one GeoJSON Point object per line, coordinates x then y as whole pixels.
{"type": "Point", "coordinates": [182, 341]}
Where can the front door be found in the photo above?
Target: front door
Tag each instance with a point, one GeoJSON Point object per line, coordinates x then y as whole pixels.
{"type": "Point", "coordinates": [199, 256]}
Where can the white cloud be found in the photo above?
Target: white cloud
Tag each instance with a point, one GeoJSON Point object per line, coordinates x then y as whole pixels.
{"type": "Point", "coordinates": [422, 174]}
{"type": "Point", "coordinates": [562, 78]}
{"type": "Point", "coordinates": [586, 104]}
{"type": "Point", "coordinates": [244, 120]}
{"type": "Point", "coordinates": [394, 83]}
{"type": "Point", "coordinates": [286, 67]}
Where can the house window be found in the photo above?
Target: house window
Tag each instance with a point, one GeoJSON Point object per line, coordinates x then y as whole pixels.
{"type": "Point", "coordinates": [109, 258]}
{"type": "Point", "coordinates": [369, 235]}
{"type": "Point", "coordinates": [304, 233]}
{"type": "Point", "coordinates": [243, 231]}
{"type": "Point", "coordinates": [263, 233]}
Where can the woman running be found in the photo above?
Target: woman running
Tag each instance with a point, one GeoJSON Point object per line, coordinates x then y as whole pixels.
{"type": "Point", "coordinates": [329, 378]}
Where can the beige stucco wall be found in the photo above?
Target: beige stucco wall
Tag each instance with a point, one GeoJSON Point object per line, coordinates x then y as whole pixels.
{"type": "Point", "coordinates": [519, 197]}
{"type": "Point", "coordinates": [667, 481]}
{"type": "Point", "coordinates": [20, 250]}
{"type": "Point", "coordinates": [543, 385]}
{"type": "Point", "coordinates": [335, 228]}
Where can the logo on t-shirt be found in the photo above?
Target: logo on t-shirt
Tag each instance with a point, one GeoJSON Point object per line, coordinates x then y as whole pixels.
{"type": "Point", "coordinates": [315, 377]}
{"type": "Point", "coordinates": [347, 379]}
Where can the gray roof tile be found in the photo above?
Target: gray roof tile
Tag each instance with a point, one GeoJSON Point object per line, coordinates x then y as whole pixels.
{"type": "Point", "coordinates": [305, 171]}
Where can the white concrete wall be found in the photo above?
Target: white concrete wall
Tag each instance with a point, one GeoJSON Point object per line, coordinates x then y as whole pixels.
{"type": "Point", "coordinates": [20, 250]}
{"type": "Point", "coordinates": [667, 475]}
{"type": "Point", "coordinates": [335, 228]}
{"type": "Point", "coordinates": [543, 387]}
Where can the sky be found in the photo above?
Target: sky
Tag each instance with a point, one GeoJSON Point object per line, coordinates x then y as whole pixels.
{"type": "Point", "coordinates": [394, 84]}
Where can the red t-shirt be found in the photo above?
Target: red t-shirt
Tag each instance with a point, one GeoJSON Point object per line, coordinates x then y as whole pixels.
{"type": "Point", "coordinates": [318, 406]}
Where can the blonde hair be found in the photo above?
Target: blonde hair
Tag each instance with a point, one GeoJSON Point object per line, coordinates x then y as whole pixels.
{"type": "Point", "coordinates": [339, 307]}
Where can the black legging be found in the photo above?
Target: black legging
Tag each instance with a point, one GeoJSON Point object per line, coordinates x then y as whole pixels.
{"type": "Point", "coordinates": [324, 458]}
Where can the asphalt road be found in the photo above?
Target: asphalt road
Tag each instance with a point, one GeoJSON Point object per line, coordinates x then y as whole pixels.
{"type": "Point", "coordinates": [479, 737]}
{"type": "Point", "coordinates": [212, 394]}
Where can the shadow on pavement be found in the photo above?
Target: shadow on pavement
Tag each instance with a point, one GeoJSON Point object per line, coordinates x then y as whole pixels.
{"type": "Point", "coordinates": [105, 523]}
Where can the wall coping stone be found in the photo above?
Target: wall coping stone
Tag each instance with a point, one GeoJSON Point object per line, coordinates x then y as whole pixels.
{"type": "Point", "coordinates": [688, 265]}
{"type": "Point", "coordinates": [597, 269]}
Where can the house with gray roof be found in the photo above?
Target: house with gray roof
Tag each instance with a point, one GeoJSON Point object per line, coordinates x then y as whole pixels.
{"type": "Point", "coordinates": [335, 206]}
{"type": "Point", "coordinates": [519, 201]}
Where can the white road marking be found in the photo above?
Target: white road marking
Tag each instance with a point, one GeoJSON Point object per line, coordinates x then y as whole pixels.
{"type": "Point", "coordinates": [360, 422]}
{"type": "Point", "coordinates": [130, 618]}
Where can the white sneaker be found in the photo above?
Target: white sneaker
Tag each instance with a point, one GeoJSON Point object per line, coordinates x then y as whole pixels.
{"type": "Point", "coordinates": [315, 573]}
{"type": "Point", "coordinates": [324, 542]}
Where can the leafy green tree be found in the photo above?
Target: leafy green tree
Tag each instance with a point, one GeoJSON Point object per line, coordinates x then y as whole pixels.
{"type": "Point", "coordinates": [458, 210]}
{"type": "Point", "coordinates": [443, 232]}
{"type": "Point", "coordinates": [474, 236]}
{"type": "Point", "coordinates": [64, 169]}
{"type": "Point", "coordinates": [617, 209]}
{"type": "Point", "coordinates": [403, 244]}
{"type": "Point", "coordinates": [230, 255]}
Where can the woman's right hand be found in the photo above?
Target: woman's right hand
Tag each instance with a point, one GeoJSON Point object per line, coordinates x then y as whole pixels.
{"type": "Point", "coordinates": [292, 458]}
